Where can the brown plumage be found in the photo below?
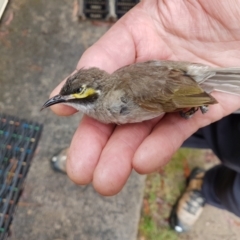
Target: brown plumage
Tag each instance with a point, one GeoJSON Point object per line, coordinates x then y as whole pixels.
{"type": "Point", "coordinates": [142, 91]}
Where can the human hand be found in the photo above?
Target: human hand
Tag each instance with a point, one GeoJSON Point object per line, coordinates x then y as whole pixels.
{"type": "Point", "coordinates": [197, 31]}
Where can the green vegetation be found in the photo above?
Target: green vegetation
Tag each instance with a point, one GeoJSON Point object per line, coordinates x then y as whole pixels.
{"type": "Point", "coordinates": [161, 191]}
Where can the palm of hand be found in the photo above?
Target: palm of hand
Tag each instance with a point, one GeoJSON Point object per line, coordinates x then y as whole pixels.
{"type": "Point", "coordinates": [197, 31]}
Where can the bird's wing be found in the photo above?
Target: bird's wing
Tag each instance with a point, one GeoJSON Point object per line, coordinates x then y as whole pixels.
{"type": "Point", "coordinates": [160, 88]}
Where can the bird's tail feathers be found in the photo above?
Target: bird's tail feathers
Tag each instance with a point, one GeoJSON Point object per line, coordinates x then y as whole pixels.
{"type": "Point", "coordinates": [225, 80]}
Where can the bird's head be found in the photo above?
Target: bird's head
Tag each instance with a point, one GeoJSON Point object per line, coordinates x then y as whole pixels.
{"type": "Point", "coordinates": [81, 89]}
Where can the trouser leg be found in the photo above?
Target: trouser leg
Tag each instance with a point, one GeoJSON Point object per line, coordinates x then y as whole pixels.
{"type": "Point", "coordinates": [221, 186]}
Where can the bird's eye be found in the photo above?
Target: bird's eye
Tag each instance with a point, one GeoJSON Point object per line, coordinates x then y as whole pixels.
{"type": "Point", "coordinates": [80, 90]}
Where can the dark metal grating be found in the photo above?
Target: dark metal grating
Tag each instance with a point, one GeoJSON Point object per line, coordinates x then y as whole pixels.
{"type": "Point", "coordinates": [123, 6]}
{"type": "Point", "coordinates": [18, 141]}
{"type": "Point", "coordinates": [97, 9]}
{"type": "Point", "coordinates": [109, 10]}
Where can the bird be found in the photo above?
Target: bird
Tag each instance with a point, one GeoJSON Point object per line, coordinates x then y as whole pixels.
{"type": "Point", "coordinates": [145, 90]}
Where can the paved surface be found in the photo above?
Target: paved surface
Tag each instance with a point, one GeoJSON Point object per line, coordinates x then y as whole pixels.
{"type": "Point", "coordinates": [40, 44]}
{"type": "Point", "coordinates": [214, 224]}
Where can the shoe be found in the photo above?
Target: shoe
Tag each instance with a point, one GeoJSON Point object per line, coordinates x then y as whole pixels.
{"type": "Point", "coordinates": [189, 206]}
{"type": "Point", "coordinates": [59, 160]}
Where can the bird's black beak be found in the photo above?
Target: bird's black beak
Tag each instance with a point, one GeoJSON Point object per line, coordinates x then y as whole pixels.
{"type": "Point", "coordinates": [54, 100]}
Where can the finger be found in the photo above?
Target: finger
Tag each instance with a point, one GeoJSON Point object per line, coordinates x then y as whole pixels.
{"type": "Point", "coordinates": [169, 134]}
{"type": "Point", "coordinates": [158, 148]}
{"type": "Point", "coordinates": [87, 144]}
{"type": "Point", "coordinates": [115, 165]}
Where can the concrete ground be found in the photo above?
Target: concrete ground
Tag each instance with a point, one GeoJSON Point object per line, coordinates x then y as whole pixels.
{"type": "Point", "coordinates": [214, 224]}
{"type": "Point", "coordinates": [40, 44]}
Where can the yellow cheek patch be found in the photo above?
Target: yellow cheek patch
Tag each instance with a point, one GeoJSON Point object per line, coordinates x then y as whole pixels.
{"type": "Point", "coordinates": [84, 94]}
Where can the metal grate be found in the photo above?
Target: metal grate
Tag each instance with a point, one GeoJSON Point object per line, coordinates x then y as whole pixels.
{"type": "Point", "coordinates": [18, 141]}
{"type": "Point", "coordinates": [109, 10]}
{"type": "Point", "coordinates": [96, 9]}
{"type": "Point", "coordinates": [123, 6]}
